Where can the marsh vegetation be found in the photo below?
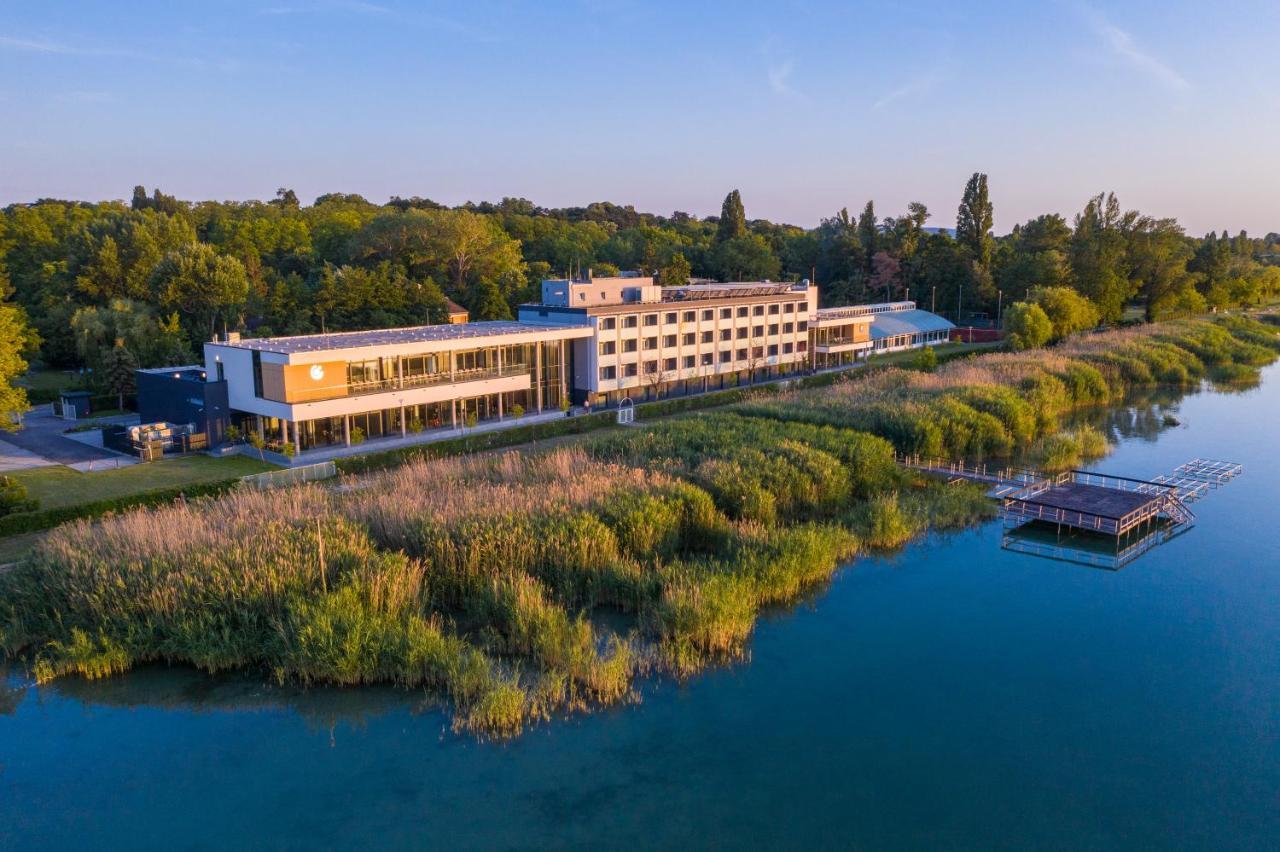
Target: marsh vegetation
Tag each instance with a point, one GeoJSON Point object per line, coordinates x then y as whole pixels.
{"type": "Point", "coordinates": [482, 580]}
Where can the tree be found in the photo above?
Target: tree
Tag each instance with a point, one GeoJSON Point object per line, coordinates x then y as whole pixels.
{"type": "Point", "coordinates": [733, 218]}
{"type": "Point", "coordinates": [868, 236]}
{"type": "Point", "coordinates": [118, 368]}
{"type": "Point", "coordinates": [1100, 255]}
{"type": "Point", "coordinates": [201, 284]}
{"type": "Point", "coordinates": [974, 220]}
{"type": "Point", "coordinates": [1027, 326]}
{"type": "Point", "coordinates": [1159, 257]}
{"type": "Point", "coordinates": [1066, 309]}
{"type": "Point", "coordinates": [745, 258]}
{"type": "Point", "coordinates": [885, 274]}
{"type": "Point", "coordinates": [286, 198]}
{"type": "Point", "coordinates": [676, 272]}
{"type": "Point", "coordinates": [13, 497]}
{"type": "Point", "coordinates": [654, 377]}
{"type": "Point", "coordinates": [489, 303]}
{"type": "Point", "coordinates": [926, 360]}
{"type": "Point", "coordinates": [16, 339]}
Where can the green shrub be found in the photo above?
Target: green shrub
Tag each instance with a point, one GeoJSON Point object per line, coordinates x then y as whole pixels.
{"type": "Point", "coordinates": [13, 497]}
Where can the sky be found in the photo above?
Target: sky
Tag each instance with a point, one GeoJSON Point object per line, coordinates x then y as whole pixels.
{"type": "Point", "coordinates": [806, 107]}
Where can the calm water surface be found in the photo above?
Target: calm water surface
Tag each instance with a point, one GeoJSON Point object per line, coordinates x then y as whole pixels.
{"type": "Point", "coordinates": [954, 695]}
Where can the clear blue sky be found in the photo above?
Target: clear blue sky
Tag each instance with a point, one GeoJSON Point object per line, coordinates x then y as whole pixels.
{"type": "Point", "coordinates": [804, 106]}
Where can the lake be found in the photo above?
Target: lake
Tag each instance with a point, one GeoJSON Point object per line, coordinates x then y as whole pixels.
{"type": "Point", "coordinates": [951, 695]}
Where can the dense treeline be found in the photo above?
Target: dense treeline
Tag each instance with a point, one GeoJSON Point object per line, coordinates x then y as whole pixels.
{"type": "Point", "coordinates": [161, 275]}
{"type": "Point", "coordinates": [481, 579]}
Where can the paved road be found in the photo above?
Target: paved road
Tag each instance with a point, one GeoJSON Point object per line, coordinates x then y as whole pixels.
{"type": "Point", "coordinates": [13, 457]}
{"type": "Point", "coordinates": [42, 434]}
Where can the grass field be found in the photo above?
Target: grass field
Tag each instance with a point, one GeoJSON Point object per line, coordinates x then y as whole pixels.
{"type": "Point", "coordinates": [58, 486]}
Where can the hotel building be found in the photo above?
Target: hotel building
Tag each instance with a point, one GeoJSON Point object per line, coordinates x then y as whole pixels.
{"type": "Point", "coordinates": [648, 341]}
{"type": "Point", "coordinates": [597, 339]}
{"type": "Point", "coordinates": [320, 390]}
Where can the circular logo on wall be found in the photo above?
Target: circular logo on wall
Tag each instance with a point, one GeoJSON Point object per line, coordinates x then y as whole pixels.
{"type": "Point", "coordinates": [317, 372]}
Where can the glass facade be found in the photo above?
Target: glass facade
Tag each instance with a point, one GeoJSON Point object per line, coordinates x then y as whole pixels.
{"type": "Point", "coordinates": [543, 362]}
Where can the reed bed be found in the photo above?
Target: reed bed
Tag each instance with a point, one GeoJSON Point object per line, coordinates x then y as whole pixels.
{"type": "Point", "coordinates": [479, 579]}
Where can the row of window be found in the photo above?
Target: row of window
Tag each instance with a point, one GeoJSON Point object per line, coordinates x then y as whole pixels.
{"type": "Point", "coordinates": [707, 314]}
{"type": "Point", "coordinates": [707, 359]}
{"type": "Point", "coordinates": [610, 347]}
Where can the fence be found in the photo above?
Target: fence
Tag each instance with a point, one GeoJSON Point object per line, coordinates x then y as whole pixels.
{"type": "Point", "coordinates": [291, 476]}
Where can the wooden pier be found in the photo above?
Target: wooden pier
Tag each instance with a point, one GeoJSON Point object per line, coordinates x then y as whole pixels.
{"type": "Point", "coordinates": [1120, 516]}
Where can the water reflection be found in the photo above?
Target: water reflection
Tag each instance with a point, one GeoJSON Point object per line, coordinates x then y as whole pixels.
{"type": "Point", "coordinates": [187, 689]}
{"type": "Point", "coordinates": [1081, 547]}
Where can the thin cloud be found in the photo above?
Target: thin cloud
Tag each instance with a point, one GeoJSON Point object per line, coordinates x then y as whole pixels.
{"type": "Point", "coordinates": [911, 88]}
{"type": "Point", "coordinates": [39, 46]}
{"type": "Point", "coordinates": [361, 7]}
{"type": "Point", "coordinates": [1122, 45]}
{"type": "Point", "coordinates": [780, 78]}
{"type": "Point", "coordinates": [357, 6]}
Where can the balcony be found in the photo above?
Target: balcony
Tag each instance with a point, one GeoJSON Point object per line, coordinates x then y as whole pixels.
{"type": "Point", "coordinates": [841, 344]}
{"type": "Point", "coordinates": [457, 377]}
{"type": "Point", "coordinates": [391, 385]}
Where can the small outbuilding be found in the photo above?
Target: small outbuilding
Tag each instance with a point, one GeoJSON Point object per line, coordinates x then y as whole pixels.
{"type": "Point", "coordinates": [75, 404]}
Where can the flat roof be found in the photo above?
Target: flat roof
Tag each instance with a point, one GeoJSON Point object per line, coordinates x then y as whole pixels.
{"type": "Point", "coordinates": [891, 323]}
{"type": "Point", "coordinates": [389, 336]}
{"type": "Point", "coordinates": [1110, 503]}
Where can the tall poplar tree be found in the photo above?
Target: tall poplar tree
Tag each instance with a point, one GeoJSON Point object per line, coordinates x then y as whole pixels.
{"type": "Point", "coordinates": [733, 218]}
{"type": "Point", "coordinates": [974, 220]}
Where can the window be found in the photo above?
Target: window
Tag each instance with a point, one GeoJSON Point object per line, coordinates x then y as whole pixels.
{"type": "Point", "coordinates": [803, 325]}
{"type": "Point", "coordinates": [708, 315]}
{"type": "Point", "coordinates": [608, 323]}
{"type": "Point", "coordinates": [650, 343]}
{"type": "Point", "coordinates": [257, 373]}
{"type": "Point", "coordinates": [708, 336]}
{"type": "Point", "coordinates": [671, 317]}
{"type": "Point", "coordinates": [757, 352]}
{"type": "Point", "coordinates": [773, 310]}
{"type": "Point", "coordinates": [726, 356]}
{"type": "Point", "coordinates": [629, 322]}
{"type": "Point", "coordinates": [757, 311]}
{"type": "Point", "coordinates": [802, 345]}
{"type": "Point", "coordinates": [650, 319]}
{"type": "Point", "coordinates": [788, 327]}
{"type": "Point", "coordinates": [669, 340]}
{"type": "Point", "coordinates": [690, 338]}
{"type": "Point", "coordinates": [741, 355]}
{"type": "Point", "coordinates": [629, 345]}
{"type": "Point", "coordinates": [757, 331]}
{"type": "Point", "coordinates": [800, 307]}
{"type": "Point", "coordinates": [630, 370]}
{"type": "Point", "coordinates": [742, 332]}
{"type": "Point", "coordinates": [742, 311]}
{"type": "Point", "coordinates": [787, 348]}
{"type": "Point", "coordinates": [726, 334]}
{"type": "Point", "coordinates": [689, 362]}
{"type": "Point", "coordinates": [726, 313]}
{"type": "Point", "coordinates": [608, 373]}
{"type": "Point", "coordinates": [708, 359]}
{"type": "Point", "coordinates": [773, 350]}
{"type": "Point", "coordinates": [690, 316]}
{"type": "Point", "coordinates": [650, 368]}
{"type": "Point", "coordinates": [788, 308]}
{"type": "Point", "coordinates": [773, 329]}
{"type": "Point", "coordinates": [669, 364]}
{"type": "Point", "coordinates": [608, 347]}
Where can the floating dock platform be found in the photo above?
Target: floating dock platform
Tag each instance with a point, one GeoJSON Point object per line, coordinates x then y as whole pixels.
{"type": "Point", "coordinates": [1095, 519]}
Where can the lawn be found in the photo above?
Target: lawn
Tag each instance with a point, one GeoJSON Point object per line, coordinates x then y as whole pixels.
{"type": "Point", "coordinates": [58, 486]}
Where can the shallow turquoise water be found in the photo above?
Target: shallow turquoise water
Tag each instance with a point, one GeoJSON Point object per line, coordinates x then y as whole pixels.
{"type": "Point", "coordinates": [955, 695]}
